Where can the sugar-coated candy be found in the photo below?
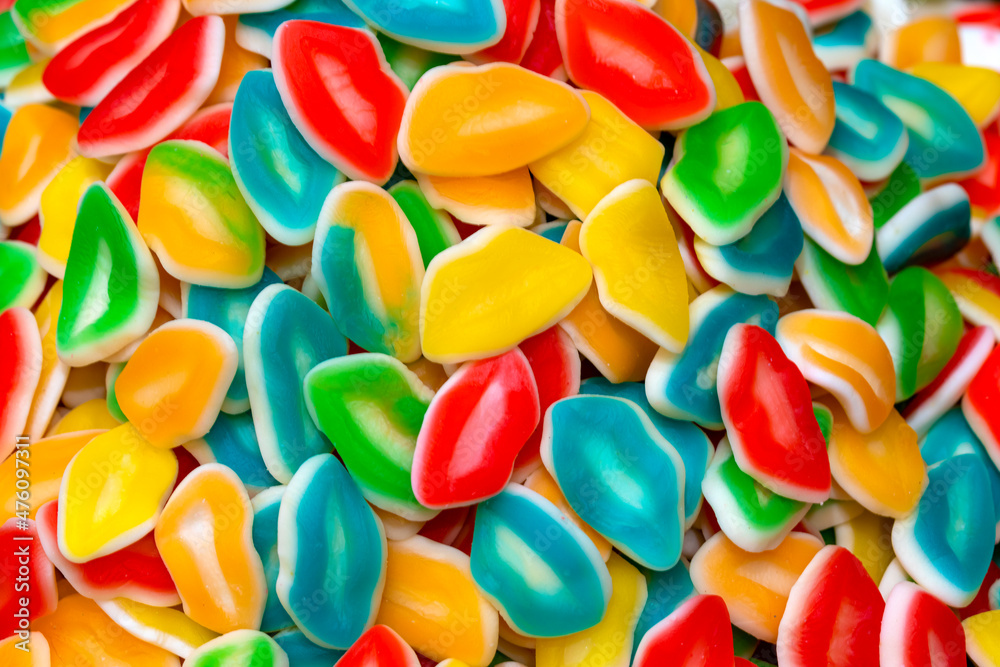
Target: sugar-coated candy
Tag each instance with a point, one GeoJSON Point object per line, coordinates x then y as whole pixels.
{"type": "Point", "coordinates": [755, 587]}
{"type": "Point", "coordinates": [506, 198]}
{"type": "Point", "coordinates": [91, 524]}
{"type": "Point", "coordinates": [419, 570]}
{"type": "Point", "coordinates": [210, 514]}
{"type": "Point", "coordinates": [944, 141]}
{"type": "Point", "coordinates": [846, 42]}
{"type": "Point", "coordinates": [833, 590]}
{"type": "Point", "coordinates": [931, 227]}
{"type": "Point", "coordinates": [366, 261]}
{"type": "Point", "coordinates": [611, 639]}
{"type": "Point", "coordinates": [628, 240]}
{"type": "Point", "coordinates": [135, 115]}
{"type": "Point", "coordinates": [471, 305]}
{"type": "Point", "coordinates": [289, 335]}
{"type": "Point", "coordinates": [977, 293]}
{"type": "Point", "coordinates": [868, 138]}
{"type": "Point", "coordinates": [696, 633]}
{"type": "Point", "coordinates": [611, 463]}
{"type": "Point", "coordinates": [239, 648]}
{"type": "Point", "coordinates": [518, 117]}
{"type": "Point", "coordinates": [726, 172]}
{"type": "Point", "coordinates": [768, 415]}
{"type": "Point", "coordinates": [979, 405]}
{"type": "Point", "coordinates": [28, 591]}
{"type": "Point", "coordinates": [377, 442]}
{"type": "Point", "coordinates": [536, 567]}
{"type": "Point", "coordinates": [982, 639]}
{"type": "Point", "coordinates": [379, 647]}
{"type": "Point", "coordinates": [674, 90]}
{"type": "Point", "coordinates": [473, 430]}
{"type": "Point", "coordinates": [918, 629]}
{"type": "Point", "coordinates": [20, 350]}
{"type": "Point", "coordinates": [434, 228]}
{"type": "Point", "coordinates": [683, 386]}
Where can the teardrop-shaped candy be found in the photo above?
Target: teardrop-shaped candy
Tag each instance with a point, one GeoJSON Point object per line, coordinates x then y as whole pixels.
{"type": "Point", "coordinates": [696, 634]}
{"type": "Point", "coordinates": [20, 352]}
{"type": "Point", "coordinates": [239, 648]}
{"type": "Point", "coordinates": [484, 200]}
{"type": "Point", "coordinates": [379, 647]}
{"type": "Point", "coordinates": [473, 430]}
{"type": "Point", "coordinates": [354, 121]}
{"type": "Point", "coordinates": [112, 493]}
{"type": "Point", "coordinates": [918, 630]}
{"type": "Point", "coordinates": [471, 303]}
{"type": "Point", "coordinates": [366, 262]}
{"type": "Point", "coordinates": [628, 240]}
{"type": "Point", "coordinates": [204, 537]}
{"type": "Point", "coordinates": [619, 474]}
{"type": "Point", "coordinates": [541, 571]}
{"type": "Point", "coordinates": [515, 117]}
{"type": "Point", "coordinates": [929, 228]}
{"type": "Point", "coordinates": [726, 172]}
{"type": "Point", "coordinates": [329, 540]}
{"type": "Point", "coordinates": [636, 59]}
{"type": "Point", "coordinates": [209, 236]}
{"type": "Point", "coordinates": [868, 138]}
{"type": "Point", "coordinates": [456, 27]}
{"type": "Point", "coordinates": [288, 336]}
{"type": "Point", "coordinates": [786, 73]}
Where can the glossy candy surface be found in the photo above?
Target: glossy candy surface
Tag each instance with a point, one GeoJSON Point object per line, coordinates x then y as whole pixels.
{"type": "Point", "coordinates": [929, 228]}
{"type": "Point", "coordinates": [918, 629]}
{"type": "Point", "coordinates": [867, 137]}
{"type": "Point", "coordinates": [979, 405]}
{"type": "Point", "coordinates": [240, 648]}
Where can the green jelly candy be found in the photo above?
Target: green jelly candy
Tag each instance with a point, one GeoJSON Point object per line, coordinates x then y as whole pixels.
{"type": "Point", "coordinates": [902, 187]}
{"type": "Point", "coordinates": [114, 370]}
{"type": "Point", "coordinates": [409, 62]}
{"type": "Point", "coordinates": [727, 172]}
{"type": "Point", "coordinates": [434, 228]}
{"type": "Point", "coordinates": [240, 648]}
{"type": "Point", "coordinates": [862, 290]}
{"type": "Point", "coordinates": [824, 417]}
{"type": "Point", "coordinates": [22, 279]}
{"type": "Point", "coordinates": [111, 288]}
{"type": "Point", "coordinates": [371, 407]}
{"type": "Point", "coordinates": [14, 54]}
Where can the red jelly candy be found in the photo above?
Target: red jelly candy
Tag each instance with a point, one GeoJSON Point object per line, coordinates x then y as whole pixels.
{"type": "Point", "coordinates": [984, 186]}
{"type": "Point", "coordinates": [473, 430]}
{"type": "Point", "coordinates": [136, 572]}
{"type": "Point", "coordinates": [156, 97]}
{"type": "Point", "coordinates": [379, 647]}
{"type": "Point", "coordinates": [93, 64]}
{"type": "Point", "coordinates": [543, 54]}
{"type": "Point", "coordinates": [20, 366]}
{"type": "Point", "coordinates": [768, 414]}
{"type": "Point", "coordinates": [446, 526]}
{"type": "Point", "coordinates": [981, 603]}
{"type": "Point", "coordinates": [833, 614]}
{"type": "Point", "coordinates": [25, 572]}
{"type": "Point", "coordinates": [522, 19]}
{"type": "Point", "coordinates": [636, 59]}
{"type": "Point", "coordinates": [981, 405]}
{"type": "Point", "coordinates": [696, 634]}
{"type": "Point", "coordinates": [341, 95]}
{"type": "Point", "coordinates": [918, 630]}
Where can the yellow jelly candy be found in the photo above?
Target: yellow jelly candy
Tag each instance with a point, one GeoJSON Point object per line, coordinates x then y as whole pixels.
{"type": "Point", "coordinates": [84, 383]}
{"type": "Point", "coordinates": [640, 277]}
{"type": "Point", "coordinates": [755, 586]}
{"type": "Point", "coordinates": [882, 470]}
{"type": "Point", "coordinates": [432, 602]}
{"type": "Point", "coordinates": [57, 211]}
{"type": "Point", "coordinates": [38, 142]}
{"type": "Point", "coordinates": [173, 386]}
{"type": "Point", "coordinates": [26, 87]}
{"type": "Point", "coordinates": [490, 119]}
{"type": "Point", "coordinates": [49, 458]}
{"type": "Point", "coordinates": [81, 635]}
{"type": "Point", "coordinates": [507, 198]}
{"type": "Point", "coordinates": [612, 149]}
{"type": "Point", "coordinates": [610, 641]}
{"type": "Point", "coordinates": [494, 289]}
{"type": "Point", "coordinates": [93, 414]}
{"type": "Point", "coordinates": [982, 638]}
{"type": "Point", "coordinates": [204, 539]}
{"type": "Point", "coordinates": [167, 628]}
{"type": "Point", "coordinates": [683, 14]}
{"type": "Point", "coordinates": [869, 537]}
{"type": "Point", "coordinates": [541, 482]}
{"type": "Point", "coordinates": [619, 352]}
{"type": "Point", "coordinates": [727, 89]}
{"type": "Point", "coordinates": [18, 652]}
{"type": "Point", "coordinates": [977, 89]}
{"type": "Point", "coordinates": [54, 372]}
{"type": "Point", "coordinates": [112, 493]}
{"type": "Point", "coordinates": [931, 39]}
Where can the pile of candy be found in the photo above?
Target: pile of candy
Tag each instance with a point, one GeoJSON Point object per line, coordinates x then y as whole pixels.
{"type": "Point", "coordinates": [555, 333]}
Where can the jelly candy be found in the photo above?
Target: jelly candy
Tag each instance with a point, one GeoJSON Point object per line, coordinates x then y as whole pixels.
{"type": "Point", "coordinates": [281, 177]}
{"type": "Point", "coordinates": [981, 638]}
{"type": "Point", "coordinates": [166, 627]}
{"type": "Point", "coordinates": [288, 336]}
{"type": "Point", "coordinates": [977, 89]}
{"type": "Point", "coordinates": [471, 305]}
{"type": "Point", "coordinates": [628, 240]}
{"type": "Point", "coordinates": [135, 115]}
{"type": "Point", "coordinates": [366, 261]}
{"type": "Point", "coordinates": [462, 27]}
{"type": "Point", "coordinates": [48, 459]}
{"type": "Point", "coordinates": [31, 651]}
{"type": "Point", "coordinates": [266, 508]}
{"type": "Point", "coordinates": [514, 118]}
{"type": "Point", "coordinates": [353, 124]}
{"type": "Point", "coordinates": [14, 55]}
{"type": "Point", "coordinates": [349, 571]}
{"type": "Point", "coordinates": [832, 590]}
{"type": "Point", "coordinates": [755, 587]}
{"type": "Point", "coordinates": [419, 570]}
{"type": "Point", "coordinates": [53, 378]}
{"type": "Point", "coordinates": [611, 639]}
{"type": "Point", "coordinates": [375, 442]}
{"type": "Point", "coordinates": [665, 592]}
{"type": "Point", "coordinates": [984, 186]}
{"type": "Point", "coordinates": [922, 40]}
{"type": "Point", "coordinates": [931, 227]}
{"type": "Point", "coordinates": [434, 228]}
{"type": "Point", "coordinates": [542, 483]}
{"type": "Point", "coordinates": [29, 580]}
{"type": "Point", "coordinates": [979, 405]}
{"type": "Point", "coordinates": [506, 198]}
{"type": "Point", "coordinates": [173, 386]}
{"type": "Point", "coordinates": [696, 633]}
{"type": "Point", "coordinates": [379, 647]}
{"type": "Point", "coordinates": [302, 652]}
{"type": "Point", "coordinates": [410, 63]}
{"type": "Point", "coordinates": [106, 250]}
{"type": "Point", "coordinates": [91, 66]}
{"type": "Point", "coordinates": [210, 237]}
{"type": "Point", "coordinates": [239, 648]}
{"type": "Point", "coordinates": [92, 414]}
{"type": "Point", "coordinates": [786, 73]}
{"type": "Point", "coordinates": [868, 138]}
{"type": "Point", "coordinates": [726, 172]}
{"type": "Point", "coordinates": [846, 42]}
{"type": "Point", "coordinates": [977, 294]}
{"type": "Point", "coordinates": [769, 418]}
{"type": "Point", "coordinates": [112, 493]}
{"type": "Point", "coordinates": [204, 538]}
{"type": "Point", "coordinates": [473, 430]}
{"type": "Point", "coordinates": [869, 537]}
{"type": "Point", "coordinates": [918, 629]}
{"type": "Point", "coordinates": [232, 442]}
{"type": "Point", "coordinates": [845, 356]}
{"type": "Point", "coordinates": [536, 567]}
{"type": "Point", "coordinates": [255, 31]}
{"type": "Point", "coordinates": [543, 54]}
{"type": "Point", "coordinates": [521, 22]}
{"type": "Point", "coordinates": [20, 352]}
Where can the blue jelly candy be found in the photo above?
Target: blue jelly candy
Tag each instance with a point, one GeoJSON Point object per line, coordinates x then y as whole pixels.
{"type": "Point", "coordinates": [255, 31]}
{"type": "Point", "coordinates": [446, 27]}
{"type": "Point", "coordinates": [869, 138]}
{"type": "Point", "coordinates": [232, 441]}
{"type": "Point", "coordinates": [665, 591]}
{"type": "Point", "coordinates": [931, 227]}
{"type": "Point", "coordinates": [302, 652]}
{"type": "Point", "coordinates": [265, 542]}
{"type": "Point", "coordinates": [848, 41]}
